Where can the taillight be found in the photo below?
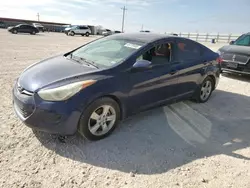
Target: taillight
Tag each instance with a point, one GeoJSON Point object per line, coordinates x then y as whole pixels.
{"type": "Point", "coordinates": [219, 60]}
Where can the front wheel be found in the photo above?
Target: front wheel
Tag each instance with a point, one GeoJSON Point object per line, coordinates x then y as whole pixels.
{"type": "Point", "coordinates": [205, 90]}
{"type": "Point", "coordinates": [87, 34]}
{"type": "Point", "coordinates": [99, 119]}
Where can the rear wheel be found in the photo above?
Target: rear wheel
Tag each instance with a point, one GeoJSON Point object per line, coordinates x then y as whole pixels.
{"type": "Point", "coordinates": [87, 34]}
{"type": "Point", "coordinates": [33, 33]}
{"type": "Point", "coordinates": [205, 90]}
{"type": "Point", "coordinates": [99, 119]}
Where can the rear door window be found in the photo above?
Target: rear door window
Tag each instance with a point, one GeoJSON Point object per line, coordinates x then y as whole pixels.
{"type": "Point", "coordinates": [83, 27]}
{"type": "Point", "coordinates": [187, 50]}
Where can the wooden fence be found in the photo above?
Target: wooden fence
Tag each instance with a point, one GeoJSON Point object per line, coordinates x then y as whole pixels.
{"type": "Point", "coordinates": [208, 37]}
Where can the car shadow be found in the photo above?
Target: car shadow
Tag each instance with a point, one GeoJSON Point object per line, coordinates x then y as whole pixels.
{"type": "Point", "coordinates": [241, 77]}
{"type": "Point", "coordinates": [28, 34]}
{"type": "Point", "coordinates": [165, 138]}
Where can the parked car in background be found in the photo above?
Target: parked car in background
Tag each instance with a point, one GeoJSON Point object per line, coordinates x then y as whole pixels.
{"type": "Point", "coordinates": [23, 28]}
{"type": "Point", "coordinates": [174, 34]}
{"type": "Point", "coordinates": [117, 32]}
{"type": "Point", "coordinates": [145, 31]}
{"type": "Point", "coordinates": [91, 88]}
{"type": "Point", "coordinates": [107, 32]}
{"type": "Point", "coordinates": [78, 30]}
{"type": "Point", "coordinates": [2, 25]}
{"type": "Point", "coordinates": [39, 26]}
{"type": "Point", "coordinates": [236, 55]}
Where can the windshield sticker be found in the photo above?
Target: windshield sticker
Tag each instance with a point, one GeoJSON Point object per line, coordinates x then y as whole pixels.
{"type": "Point", "coordinates": [134, 46]}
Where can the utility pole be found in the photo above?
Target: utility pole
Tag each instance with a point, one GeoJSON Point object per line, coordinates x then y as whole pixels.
{"type": "Point", "coordinates": [38, 16]}
{"type": "Point", "coordinates": [142, 27]}
{"type": "Point", "coordinates": [123, 17]}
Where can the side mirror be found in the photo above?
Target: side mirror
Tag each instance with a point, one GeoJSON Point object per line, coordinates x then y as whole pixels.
{"type": "Point", "coordinates": [232, 42]}
{"type": "Point", "coordinates": [142, 65]}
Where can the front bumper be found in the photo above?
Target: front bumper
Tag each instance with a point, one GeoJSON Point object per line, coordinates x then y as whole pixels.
{"type": "Point", "coordinates": [235, 71]}
{"type": "Point", "coordinates": [67, 32]}
{"type": "Point", "coordinates": [240, 68]}
{"type": "Point", "coordinates": [52, 117]}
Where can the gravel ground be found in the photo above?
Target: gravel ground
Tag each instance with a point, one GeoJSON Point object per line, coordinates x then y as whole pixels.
{"type": "Point", "coordinates": [181, 145]}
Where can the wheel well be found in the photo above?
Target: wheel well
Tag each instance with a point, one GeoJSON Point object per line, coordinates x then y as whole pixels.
{"type": "Point", "coordinates": [118, 102]}
{"type": "Point", "coordinates": [213, 78]}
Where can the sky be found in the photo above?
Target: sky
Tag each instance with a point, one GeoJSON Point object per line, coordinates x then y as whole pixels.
{"type": "Point", "coordinates": [203, 16]}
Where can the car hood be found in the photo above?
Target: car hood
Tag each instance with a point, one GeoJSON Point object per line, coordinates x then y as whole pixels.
{"type": "Point", "coordinates": [68, 28]}
{"type": "Point", "coordinates": [51, 70]}
{"type": "Point", "coordinates": [236, 49]}
{"type": "Point", "coordinates": [10, 27]}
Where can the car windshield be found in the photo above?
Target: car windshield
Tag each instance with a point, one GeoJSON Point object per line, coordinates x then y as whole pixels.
{"type": "Point", "coordinates": [243, 40]}
{"type": "Point", "coordinates": [107, 52]}
{"type": "Point", "coordinates": [37, 24]}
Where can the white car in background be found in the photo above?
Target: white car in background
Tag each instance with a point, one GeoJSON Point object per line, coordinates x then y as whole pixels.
{"type": "Point", "coordinates": [77, 30]}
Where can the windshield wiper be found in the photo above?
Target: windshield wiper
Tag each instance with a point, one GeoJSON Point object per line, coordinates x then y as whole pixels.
{"type": "Point", "coordinates": [75, 58]}
{"type": "Point", "coordinates": [81, 60]}
{"type": "Point", "coordinates": [89, 62]}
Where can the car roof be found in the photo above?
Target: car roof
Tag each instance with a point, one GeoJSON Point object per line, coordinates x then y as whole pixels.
{"type": "Point", "coordinates": [24, 24]}
{"type": "Point", "coordinates": [142, 37]}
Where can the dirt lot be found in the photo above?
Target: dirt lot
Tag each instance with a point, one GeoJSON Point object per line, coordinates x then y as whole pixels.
{"type": "Point", "coordinates": [182, 145]}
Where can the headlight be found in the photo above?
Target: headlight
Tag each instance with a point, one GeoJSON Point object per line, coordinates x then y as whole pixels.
{"type": "Point", "coordinates": [64, 92]}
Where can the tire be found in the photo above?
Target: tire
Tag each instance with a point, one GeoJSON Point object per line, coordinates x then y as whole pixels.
{"type": "Point", "coordinates": [14, 31]}
{"type": "Point", "coordinates": [87, 34]}
{"type": "Point", "coordinates": [33, 33]}
{"type": "Point", "coordinates": [207, 87]}
{"type": "Point", "coordinates": [88, 122]}
{"type": "Point", "coordinates": [72, 33]}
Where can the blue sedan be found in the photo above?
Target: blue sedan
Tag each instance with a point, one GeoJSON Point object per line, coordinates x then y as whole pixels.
{"type": "Point", "coordinates": [91, 88]}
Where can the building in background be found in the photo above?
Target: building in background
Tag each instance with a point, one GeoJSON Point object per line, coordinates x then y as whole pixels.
{"type": "Point", "coordinates": [48, 26]}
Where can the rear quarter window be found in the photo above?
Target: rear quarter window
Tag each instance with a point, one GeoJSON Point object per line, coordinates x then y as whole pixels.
{"type": "Point", "coordinates": [188, 50]}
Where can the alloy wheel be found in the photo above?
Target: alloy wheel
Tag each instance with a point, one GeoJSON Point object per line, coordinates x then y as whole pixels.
{"type": "Point", "coordinates": [102, 120]}
{"type": "Point", "coordinates": [206, 90]}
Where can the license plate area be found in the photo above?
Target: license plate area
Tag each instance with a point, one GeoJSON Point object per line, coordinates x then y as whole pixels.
{"type": "Point", "coordinates": [232, 65]}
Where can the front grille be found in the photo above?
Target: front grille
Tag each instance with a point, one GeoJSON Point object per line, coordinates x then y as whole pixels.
{"type": "Point", "coordinates": [241, 58]}
{"type": "Point", "coordinates": [227, 56]}
{"type": "Point", "coordinates": [235, 57]}
{"type": "Point", "coordinates": [24, 109]}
